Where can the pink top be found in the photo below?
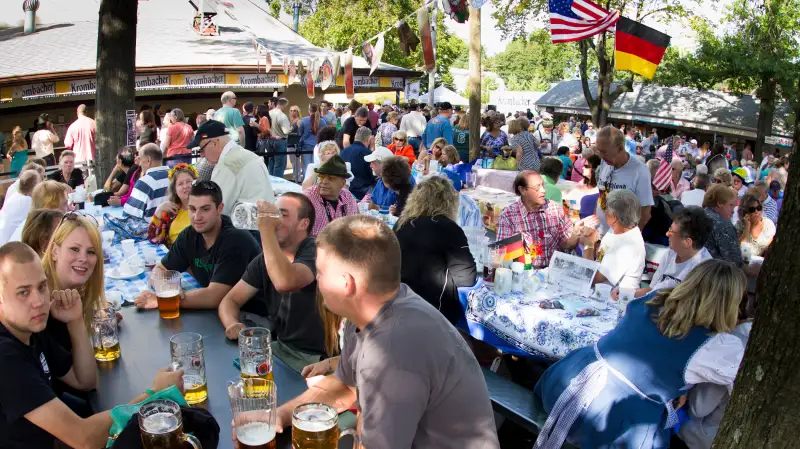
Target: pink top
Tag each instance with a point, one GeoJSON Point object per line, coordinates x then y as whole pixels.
{"type": "Point", "coordinates": [180, 134]}
{"type": "Point", "coordinates": [683, 185]}
{"type": "Point", "coordinates": [80, 139]}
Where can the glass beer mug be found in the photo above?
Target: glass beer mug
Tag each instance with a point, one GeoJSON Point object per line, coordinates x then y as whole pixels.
{"type": "Point", "coordinates": [255, 353]}
{"type": "Point", "coordinates": [161, 426]}
{"type": "Point", "coordinates": [105, 340]}
{"type": "Point", "coordinates": [316, 426]}
{"type": "Point", "coordinates": [254, 408]}
{"type": "Point", "coordinates": [167, 285]}
{"type": "Point", "coordinates": [186, 351]}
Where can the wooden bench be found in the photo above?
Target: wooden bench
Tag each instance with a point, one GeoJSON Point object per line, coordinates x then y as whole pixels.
{"type": "Point", "coordinates": [516, 403]}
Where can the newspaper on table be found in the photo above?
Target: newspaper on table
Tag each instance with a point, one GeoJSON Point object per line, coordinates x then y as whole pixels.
{"type": "Point", "coordinates": [572, 273]}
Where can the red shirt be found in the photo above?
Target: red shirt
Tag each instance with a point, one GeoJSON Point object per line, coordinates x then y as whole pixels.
{"type": "Point", "coordinates": [407, 152]}
{"type": "Point", "coordinates": [80, 139]}
{"type": "Point", "coordinates": [549, 227]}
{"type": "Point", "coordinates": [180, 134]}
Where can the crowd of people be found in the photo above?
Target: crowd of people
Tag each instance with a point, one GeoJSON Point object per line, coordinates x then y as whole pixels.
{"type": "Point", "coordinates": [372, 308]}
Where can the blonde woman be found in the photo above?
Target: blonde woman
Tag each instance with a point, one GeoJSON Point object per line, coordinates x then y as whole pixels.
{"type": "Point", "coordinates": [74, 261]}
{"type": "Point", "coordinates": [172, 216]}
{"type": "Point", "coordinates": [666, 341]}
{"type": "Point", "coordinates": [435, 253]}
{"type": "Point", "coordinates": [327, 150]}
{"type": "Point", "coordinates": [18, 152]}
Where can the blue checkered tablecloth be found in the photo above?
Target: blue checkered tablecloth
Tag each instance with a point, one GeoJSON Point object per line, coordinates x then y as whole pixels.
{"type": "Point", "coordinates": [130, 288]}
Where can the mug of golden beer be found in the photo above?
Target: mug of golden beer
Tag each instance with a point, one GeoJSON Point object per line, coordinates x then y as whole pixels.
{"type": "Point", "coordinates": [105, 340]}
{"type": "Point", "coordinates": [186, 351]}
{"type": "Point", "coordinates": [254, 408]}
{"type": "Point", "coordinates": [161, 426]}
{"type": "Point", "coordinates": [255, 353]}
{"type": "Point", "coordinates": [316, 426]}
{"type": "Point", "coordinates": [167, 285]}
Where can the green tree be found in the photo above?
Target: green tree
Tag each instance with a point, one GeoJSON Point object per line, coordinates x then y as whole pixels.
{"type": "Point", "coordinates": [514, 15]}
{"type": "Point", "coordinates": [462, 60]}
{"type": "Point", "coordinates": [756, 53]}
{"type": "Point", "coordinates": [339, 24]}
{"type": "Point", "coordinates": [534, 63]}
{"type": "Point", "coordinates": [488, 84]}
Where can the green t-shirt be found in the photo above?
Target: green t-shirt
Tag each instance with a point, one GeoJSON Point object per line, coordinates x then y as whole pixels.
{"type": "Point", "coordinates": [551, 192]}
{"type": "Point", "coordinates": [232, 119]}
{"type": "Point", "coordinates": [461, 142]}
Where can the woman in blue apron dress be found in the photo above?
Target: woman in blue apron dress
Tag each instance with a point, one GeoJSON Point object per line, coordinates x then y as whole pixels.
{"type": "Point", "coordinates": [619, 393]}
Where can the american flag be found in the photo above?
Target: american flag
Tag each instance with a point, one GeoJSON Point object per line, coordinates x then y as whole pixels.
{"type": "Point", "coordinates": [573, 20]}
{"type": "Point", "coordinates": [663, 177]}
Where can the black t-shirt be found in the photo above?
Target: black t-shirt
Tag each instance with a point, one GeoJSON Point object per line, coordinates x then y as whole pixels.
{"type": "Point", "coordinates": [129, 181]}
{"type": "Point", "coordinates": [250, 133]}
{"type": "Point", "coordinates": [223, 263]}
{"type": "Point", "coordinates": [296, 315]}
{"type": "Point", "coordinates": [25, 385]}
{"type": "Point", "coordinates": [75, 178]}
{"type": "Point", "coordinates": [349, 127]}
{"type": "Point", "coordinates": [120, 177]}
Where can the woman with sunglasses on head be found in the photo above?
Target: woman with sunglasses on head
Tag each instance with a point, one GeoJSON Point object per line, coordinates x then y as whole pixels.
{"type": "Point", "coordinates": [172, 216]}
{"type": "Point", "coordinates": [401, 147]}
{"type": "Point", "coordinates": [755, 233]}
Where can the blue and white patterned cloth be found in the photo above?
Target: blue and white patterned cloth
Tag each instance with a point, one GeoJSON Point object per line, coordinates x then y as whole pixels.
{"type": "Point", "coordinates": [469, 213]}
{"type": "Point", "coordinates": [130, 288]}
{"type": "Point", "coordinates": [518, 321]}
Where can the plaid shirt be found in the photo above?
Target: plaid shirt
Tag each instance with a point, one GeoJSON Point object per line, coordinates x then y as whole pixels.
{"type": "Point", "coordinates": [549, 227]}
{"type": "Point", "coordinates": [324, 211]}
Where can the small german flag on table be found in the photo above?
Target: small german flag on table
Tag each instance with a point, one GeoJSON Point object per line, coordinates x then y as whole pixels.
{"type": "Point", "coordinates": [639, 48]}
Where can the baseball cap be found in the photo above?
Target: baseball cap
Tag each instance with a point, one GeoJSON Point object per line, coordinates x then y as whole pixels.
{"type": "Point", "coordinates": [445, 105]}
{"type": "Point", "coordinates": [379, 154]}
{"type": "Point", "coordinates": [775, 185]}
{"type": "Point", "coordinates": [208, 130]}
{"type": "Point", "coordinates": [694, 141]}
{"type": "Point", "coordinates": [387, 102]}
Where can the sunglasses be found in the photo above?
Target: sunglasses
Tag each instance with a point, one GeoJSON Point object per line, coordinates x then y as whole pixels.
{"type": "Point", "coordinates": [211, 186]}
{"type": "Point", "coordinates": [399, 140]}
{"type": "Point", "coordinates": [752, 209]}
{"type": "Point", "coordinates": [73, 216]}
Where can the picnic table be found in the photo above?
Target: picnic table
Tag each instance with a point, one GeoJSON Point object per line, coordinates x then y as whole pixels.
{"type": "Point", "coordinates": [144, 343]}
{"type": "Point", "coordinates": [515, 323]}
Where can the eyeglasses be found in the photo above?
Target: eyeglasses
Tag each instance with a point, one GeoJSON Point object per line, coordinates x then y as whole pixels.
{"type": "Point", "coordinates": [752, 209]}
{"type": "Point", "coordinates": [73, 216]}
{"type": "Point", "coordinates": [203, 147]}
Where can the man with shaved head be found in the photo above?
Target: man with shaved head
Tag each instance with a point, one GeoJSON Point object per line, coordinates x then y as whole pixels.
{"type": "Point", "coordinates": [620, 170]}
{"type": "Point", "coordinates": [80, 137]}
{"type": "Point", "coordinates": [33, 416]}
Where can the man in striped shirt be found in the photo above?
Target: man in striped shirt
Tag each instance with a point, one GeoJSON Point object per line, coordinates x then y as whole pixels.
{"type": "Point", "coordinates": [543, 219]}
{"type": "Point", "coordinates": [151, 189]}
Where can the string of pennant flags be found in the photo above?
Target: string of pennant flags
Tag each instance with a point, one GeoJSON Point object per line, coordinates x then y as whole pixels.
{"type": "Point", "coordinates": [325, 70]}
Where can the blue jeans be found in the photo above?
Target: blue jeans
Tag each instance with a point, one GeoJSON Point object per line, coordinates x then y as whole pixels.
{"type": "Point", "coordinates": [305, 160]}
{"type": "Point", "coordinates": [277, 163]}
{"type": "Point", "coordinates": [414, 142]}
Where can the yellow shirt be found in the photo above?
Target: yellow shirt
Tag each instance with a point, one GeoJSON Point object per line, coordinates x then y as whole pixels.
{"type": "Point", "coordinates": [180, 223]}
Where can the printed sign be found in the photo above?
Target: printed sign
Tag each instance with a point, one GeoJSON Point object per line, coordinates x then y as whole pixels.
{"type": "Point", "coordinates": [130, 125]}
{"type": "Point", "coordinates": [85, 86]}
{"type": "Point", "coordinates": [34, 90]}
{"type": "Point", "coordinates": [260, 79]}
{"type": "Point", "coordinates": [203, 79]}
{"type": "Point", "coordinates": [143, 82]}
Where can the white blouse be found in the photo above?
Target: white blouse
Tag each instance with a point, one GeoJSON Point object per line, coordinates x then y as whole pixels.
{"type": "Point", "coordinates": [718, 360]}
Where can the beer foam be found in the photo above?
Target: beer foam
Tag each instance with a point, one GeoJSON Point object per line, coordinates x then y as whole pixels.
{"type": "Point", "coordinates": [255, 433]}
{"type": "Point", "coordinates": [169, 293]}
{"type": "Point", "coordinates": [313, 420]}
{"type": "Point", "coordinates": [159, 423]}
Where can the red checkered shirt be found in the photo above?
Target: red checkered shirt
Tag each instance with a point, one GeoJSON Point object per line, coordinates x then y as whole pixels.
{"type": "Point", "coordinates": [549, 227]}
{"type": "Point", "coordinates": [324, 211]}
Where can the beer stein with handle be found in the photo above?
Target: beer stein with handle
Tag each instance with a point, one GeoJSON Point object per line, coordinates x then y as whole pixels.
{"type": "Point", "coordinates": [105, 340]}
{"type": "Point", "coordinates": [316, 426]}
{"type": "Point", "coordinates": [254, 408]}
{"type": "Point", "coordinates": [167, 286]}
{"type": "Point", "coordinates": [161, 426]}
{"type": "Point", "coordinates": [255, 353]}
{"type": "Point", "coordinates": [186, 352]}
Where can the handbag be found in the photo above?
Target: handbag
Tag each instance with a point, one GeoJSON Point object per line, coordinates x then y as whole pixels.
{"type": "Point", "coordinates": [126, 227]}
{"type": "Point", "coordinates": [122, 414]}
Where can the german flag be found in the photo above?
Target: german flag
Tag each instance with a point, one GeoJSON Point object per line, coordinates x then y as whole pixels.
{"type": "Point", "coordinates": [639, 48]}
{"type": "Point", "coordinates": [515, 250]}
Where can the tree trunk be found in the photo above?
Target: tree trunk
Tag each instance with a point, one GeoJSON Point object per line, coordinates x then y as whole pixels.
{"type": "Point", "coordinates": [765, 114]}
{"type": "Point", "coordinates": [763, 410]}
{"type": "Point", "coordinates": [605, 74]}
{"type": "Point", "coordinates": [474, 82]}
{"type": "Point", "coordinates": [116, 88]}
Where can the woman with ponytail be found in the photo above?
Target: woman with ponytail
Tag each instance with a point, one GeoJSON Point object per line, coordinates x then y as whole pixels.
{"type": "Point", "coordinates": [308, 128]}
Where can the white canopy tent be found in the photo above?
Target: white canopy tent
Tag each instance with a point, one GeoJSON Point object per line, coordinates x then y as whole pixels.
{"type": "Point", "coordinates": [442, 94]}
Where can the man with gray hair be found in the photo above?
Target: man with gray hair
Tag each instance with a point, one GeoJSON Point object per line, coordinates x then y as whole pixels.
{"type": "Point", "coordinates": [621, 252]}
{"type": "Point", "coordinates": [363, 178]}
{"type": "Point", "coordinates": [231, 118]}
{"type": "Point", "coordinates": [620, 170]}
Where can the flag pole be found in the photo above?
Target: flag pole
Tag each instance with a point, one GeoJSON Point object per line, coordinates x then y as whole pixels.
{"type": "Point", "coordinates": [432, 75]}
{"type": "Point", "coordinates": [474, 81]}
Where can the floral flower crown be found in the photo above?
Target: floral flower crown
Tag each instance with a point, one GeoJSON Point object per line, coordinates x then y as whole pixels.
{"type": "Point", "coordinates": [183, 166]}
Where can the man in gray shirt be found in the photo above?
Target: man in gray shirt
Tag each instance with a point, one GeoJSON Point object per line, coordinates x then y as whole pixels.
{"type": "Point", "coordinates": [414, 380]}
